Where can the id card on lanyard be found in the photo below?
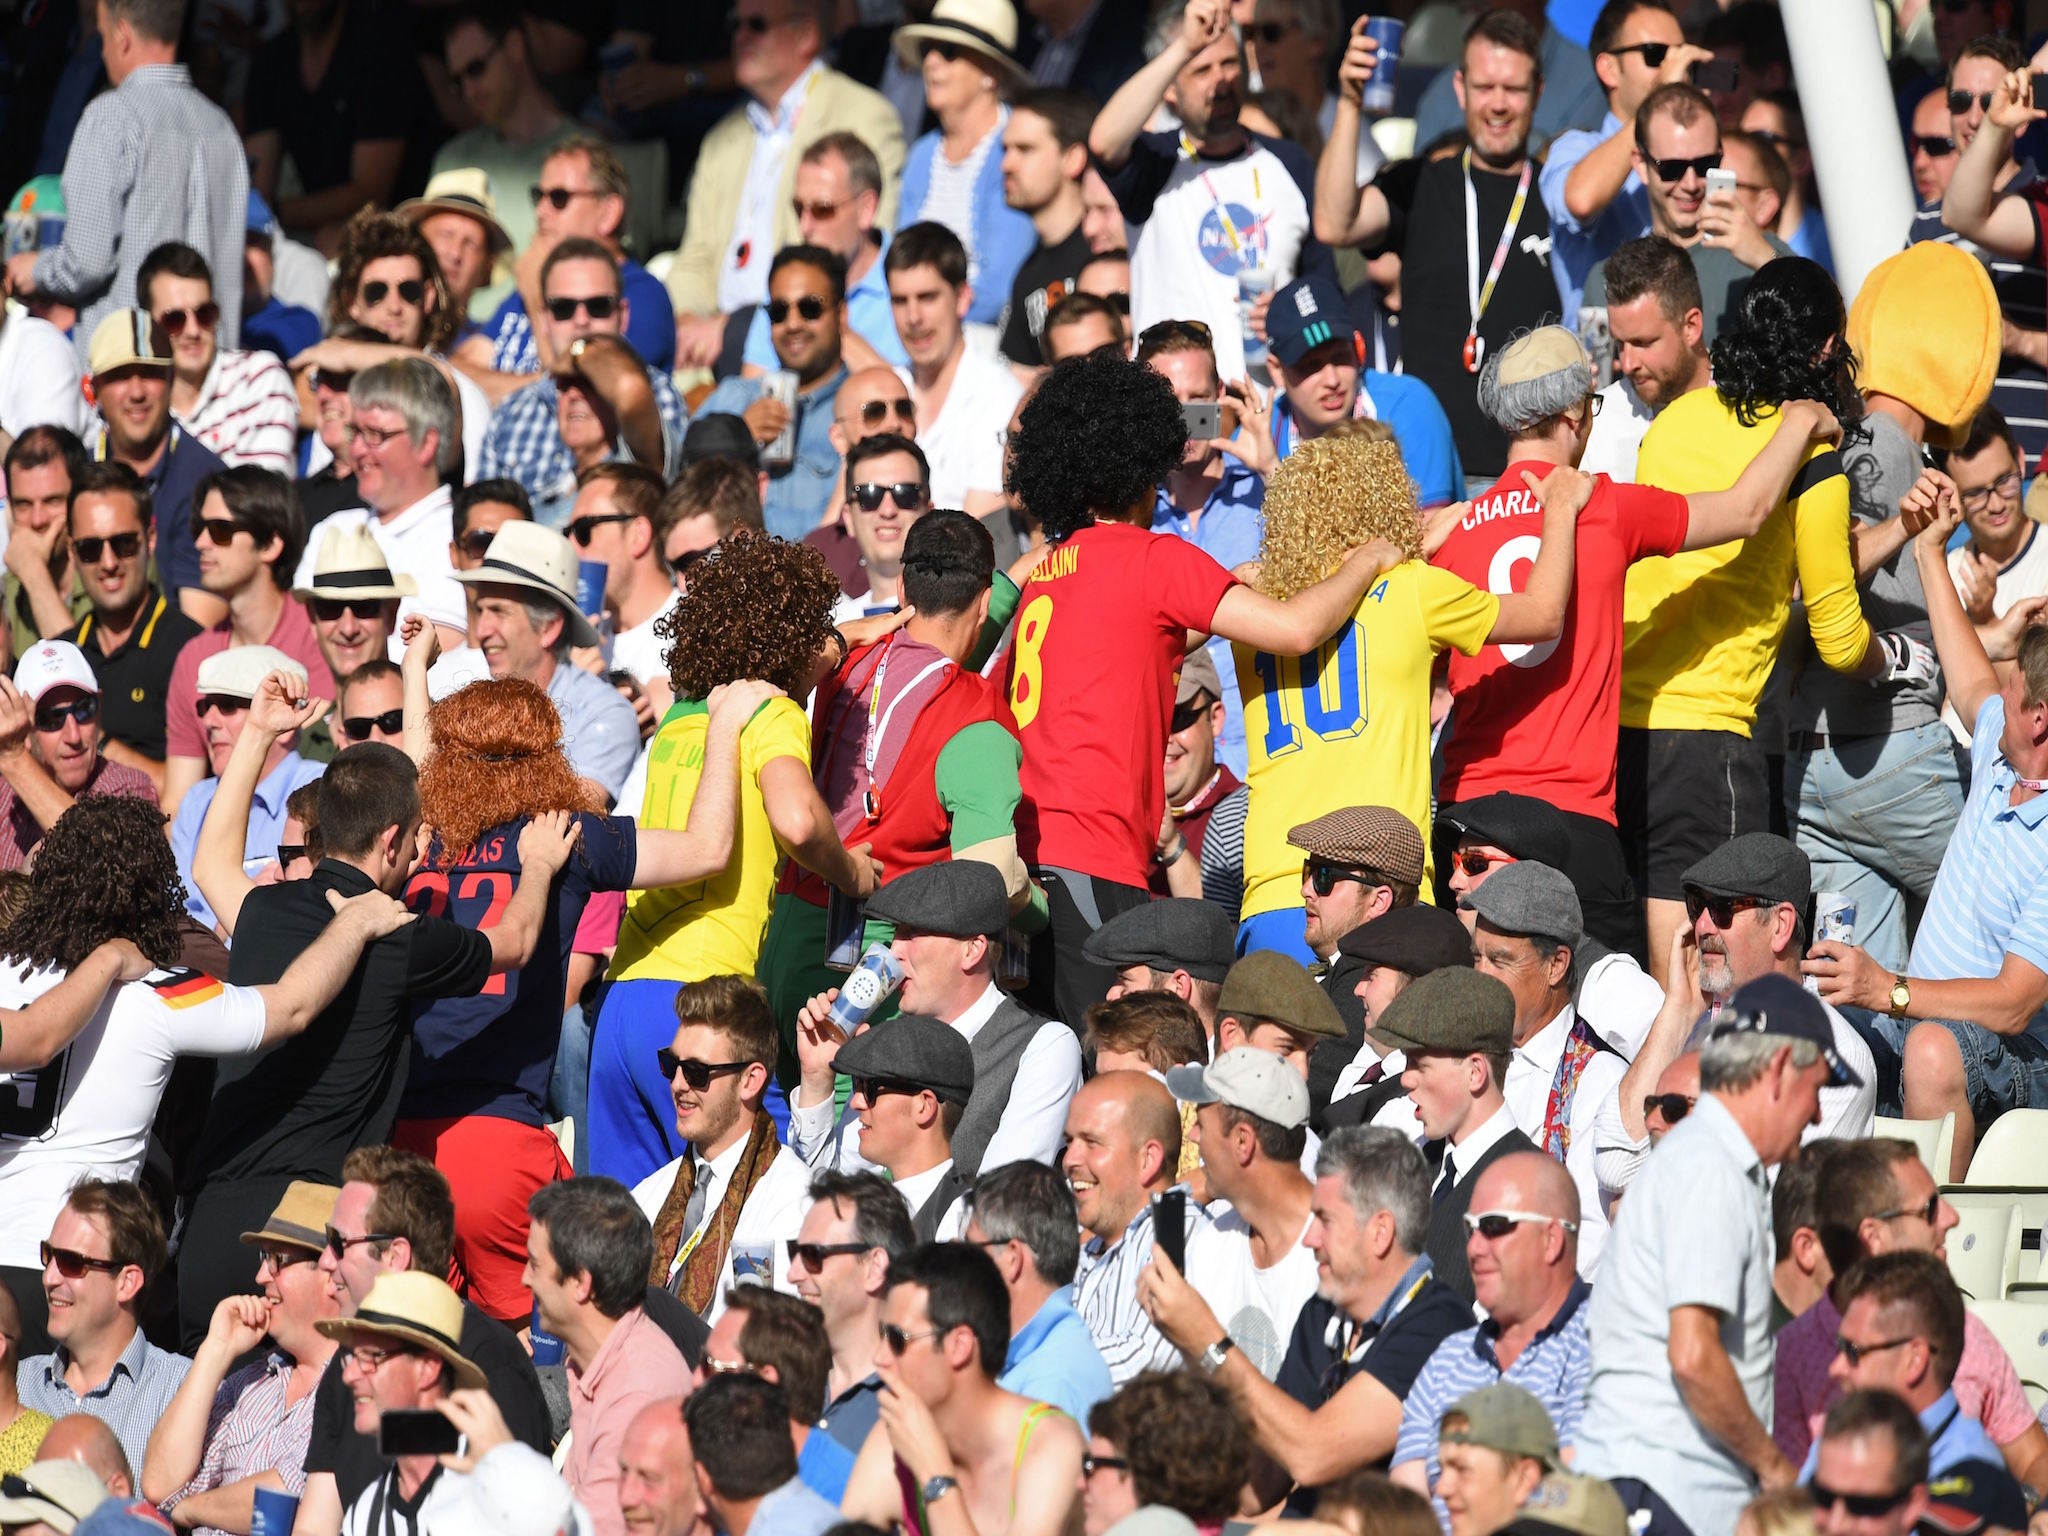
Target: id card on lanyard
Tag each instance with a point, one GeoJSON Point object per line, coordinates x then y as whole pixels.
{"type": "Point", "coordinates": [1477, 294]}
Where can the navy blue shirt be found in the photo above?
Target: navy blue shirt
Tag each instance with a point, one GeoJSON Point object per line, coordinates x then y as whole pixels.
{"type": "Point", "coordinates": [491, 1053]}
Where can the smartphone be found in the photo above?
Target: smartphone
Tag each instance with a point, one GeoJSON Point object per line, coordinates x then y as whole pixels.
{"type": "Point", "coordinates": [1720, 179]}
{"type": "Point", "coordinates": [418, 1432]}
{"type": "Point", "coordinates": [1204, 419]}
{"type": "Point", "coordinates": [1716, 74]}
{"type": "Point", "coordinates": [1170, 1227]}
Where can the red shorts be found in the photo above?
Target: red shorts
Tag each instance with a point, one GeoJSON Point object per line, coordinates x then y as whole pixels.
{"type": "Point", "coordinates": [493, 1167]}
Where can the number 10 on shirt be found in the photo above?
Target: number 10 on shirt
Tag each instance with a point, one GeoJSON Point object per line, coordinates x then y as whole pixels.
{"type": "Point", "coordinates": [1323, 692]}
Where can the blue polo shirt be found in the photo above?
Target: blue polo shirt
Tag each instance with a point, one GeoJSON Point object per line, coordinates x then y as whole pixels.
{"type": "Point", "coordinates": [868, 316]}
{"type": "Point", "coordinates": [797, 496]}
{"type": "Point", "coordinates": [266, 824]}
{"type": "Point", "coordinates": [1575, 245]}
{"type": "Point", "coordinates": [1053, 1359]}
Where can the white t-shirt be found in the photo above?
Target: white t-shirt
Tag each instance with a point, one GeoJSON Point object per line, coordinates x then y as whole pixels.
{"type": "Point", "coordinates": [87, 1114]}
{"type": "Point", "coordinates": [642, 652]}
{"type": "Point", "coordinates": [1618, 433]}
{"type": "Point", "coordinates": [964, 445]}
{"type": "Point", "coordinates": [1256, 1307]}
{"type": "Point", "coordinates": [2024, 575]}
{"type": "Point", "coordinates": [40, 382]}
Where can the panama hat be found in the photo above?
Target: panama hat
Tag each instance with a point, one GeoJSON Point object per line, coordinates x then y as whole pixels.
{"type": "Point", "coordinates": [464, 190]}
{"type": "Point", "coordinates": [301, 1217]}
{"type": "Point", "coordinates": [985, 27]}
{"type": "Point", "coordinates": [415, 1308]}
{"type": "Point", "coordinates": [351, 565]}
{"type": "Point", "coordinates": [528, 555]}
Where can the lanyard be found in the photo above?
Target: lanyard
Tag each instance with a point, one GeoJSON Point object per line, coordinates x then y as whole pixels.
{"type": "Point", "coordinates": [878, 724]}
{"type": "Point", "coordinates": [1189, 151]}
{"type": "Point", "coordinates": [1478, 296]}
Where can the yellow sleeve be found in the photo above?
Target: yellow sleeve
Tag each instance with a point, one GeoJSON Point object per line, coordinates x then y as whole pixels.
{"type": "Point", "coordinates": [1819, 503]}
{"type": "Point", "coordinates": [1454, 612]}
{"type": "Point", "coordinates": [780, 728]}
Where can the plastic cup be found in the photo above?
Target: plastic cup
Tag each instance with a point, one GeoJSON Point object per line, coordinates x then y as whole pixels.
{"type": "Point", "coordinates": [274, 1513]}
{"type": "Point", "coordinates": [1379, 90]}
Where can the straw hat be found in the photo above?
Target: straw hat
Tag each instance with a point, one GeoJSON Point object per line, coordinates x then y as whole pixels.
{"type": "Point", "coordinates": [528, 555]}
{"type": "Point", "coordinates": [465, 190]}
{"type": "Point", "coordinates": [414, 1308]}
{"type": "Point", "coordinates": [301, 1217]}
{"type": "Point", "coordinates": [351, 565]}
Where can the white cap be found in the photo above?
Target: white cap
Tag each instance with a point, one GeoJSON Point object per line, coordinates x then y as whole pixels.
{"type": "Point", "coordinates": [239, 670]}
{"type": "Point", "coordinates": [53, 664]}
{"type": "Point", "coordinates": [1246, 1078]}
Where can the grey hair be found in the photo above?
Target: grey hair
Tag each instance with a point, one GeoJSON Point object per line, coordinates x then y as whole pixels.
{"type": "Point", "coordinates": [1732, 1062]}
{"type": "Point", "coordinates": [1031, 1203]}
{"type": "Point", "coordinates": [1382, 1170]}
{"type": "Point", "coordinates": [1519, 408]}
{"type": "Point", "coordinates": [539, 610]}
{"type": "Point", "coordinates": [414, 388]}
{"type": "Point", "coordinates": [1165, 28]}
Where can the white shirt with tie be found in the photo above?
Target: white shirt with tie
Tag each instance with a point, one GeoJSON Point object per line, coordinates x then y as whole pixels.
{"type": "Point", "coordinates": [917, 1188]}
{"type": "Point", "coordinates": [1463, 1157]}
{"type": "Point", "coordinates": [1531, 1070]}
{"type": "Point", "coordinates": [774, 1211]}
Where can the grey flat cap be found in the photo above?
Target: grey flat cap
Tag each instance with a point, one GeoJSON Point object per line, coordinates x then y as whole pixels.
{"type": "Point", "coordinates": [1531, 900]}
{"type": "Point", "coordinates": [1757, 864]}
{"type": "Point", "coordinates": [956, 897]}
{"type": "Point", "coordinates": [1456, 1009]}
{"type": "Point", "coordinates": [913, 1049]}
{"type": "Point", "coordinates": [1180, 933]}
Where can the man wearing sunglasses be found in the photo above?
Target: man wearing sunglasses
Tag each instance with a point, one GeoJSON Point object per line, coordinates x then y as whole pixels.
{"type": "Point", "coordinates": [856, 1228]}
{"type": "Point", "coordinates": [240, 404]}
{"type": "Point", "coordinates": [353, 603]}
{"type": "Point", "coordinates": [1358, 863]}
{"type": "Point", "coordinates": [50, 755]}
{"type": "Point", "coordinates": [615, 520]}
{"type": "Point", "coordinates": [708, 501]}
{"type": "Point", "coordinates": [912, 1080]}
{"type": "Point", "coordinates": [887, 489]}
{"type": "Point", "coordinates": [1933, 153]}
{"type": "Point", "coordinates": [1872, 1473]}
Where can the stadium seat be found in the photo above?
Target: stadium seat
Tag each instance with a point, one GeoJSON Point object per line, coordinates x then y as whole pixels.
{"type": "Point", "coordinates": [2022, 1331]}
{"type": "Point", "coordinates": [1934, 1138]}
{"type": "Point", "coordinates": [1984, 1249]}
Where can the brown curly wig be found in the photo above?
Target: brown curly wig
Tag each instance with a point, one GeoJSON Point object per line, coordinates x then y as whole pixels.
{"type": "Point", "coordinates": [497, 755]}
{"type": "Point", "coordinates": [1187, 1444]}
{"type": "Point", "coordinates": [757, 607]}
{"type": "Point", "coordinates": [1326, 496]}
{"type": "Point", "coordinates": [372, 235]}
{"type": "Point", "coordinates": [104, 872]}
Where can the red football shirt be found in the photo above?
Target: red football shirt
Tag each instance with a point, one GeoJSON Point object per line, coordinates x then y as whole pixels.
{"type": "Point", "coordinates": [1543, 720]}
{"type": "Point", "coordinates": [1101, 633]}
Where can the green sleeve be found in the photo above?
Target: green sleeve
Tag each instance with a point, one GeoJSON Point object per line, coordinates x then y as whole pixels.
{"type": "Point", "coordinates": [977, 783]}
{"type": "Point", "coordinates": [1003, 597]}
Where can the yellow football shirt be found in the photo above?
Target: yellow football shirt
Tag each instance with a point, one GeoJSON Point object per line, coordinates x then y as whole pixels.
{"type": "Point", "coordinates": [713, 927]}
{"type": "Point", "coordinates": [1348, 724]}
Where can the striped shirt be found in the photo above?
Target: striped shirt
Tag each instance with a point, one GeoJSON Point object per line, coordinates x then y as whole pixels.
{"type": "Point", "coordinates": [949, 198]}
{"type": "Point", "coordinates": [248, 412]}
{"type": "Point", "coordinates": [134, 1395]}
{"type": "Point", "coordinates": [152, 160]}
{"type": "Point", "coordinates": [524, 443]}
{"type": "Point", "coordinates": [1223, 852]}
{"type": "Point", "coordinates": [1106, 1296]}
{"type": "Point", "coordinates": [1554, 1367]}
{"type": "Point", "coordinates": [252, 1429]}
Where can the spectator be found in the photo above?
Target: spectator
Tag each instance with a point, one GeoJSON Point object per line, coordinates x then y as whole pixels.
{"type": "Point", "coordinates": [1198, 783]}
{"type": "Point", "coordinates": [49, 748]}
{"type": "Point", "coordinates": [782, 1339]}
{"type": "Point", "coordinates": [1679, 1326]}
{"type": "Point", "coordinates": [1376, 962]}
{"type": "Point", "coordinates": [746, 1460]}
{"type": "Point", "coordinates": [1497, 1446]}
{"type": "Point", "coordinates": [579, 287]}
{"type": "Point", "coordinates": [1083, 46]}
{"type": "Point", "coordinates": [858, 1218]}
{"type": "Point", "coordinates": [948, 918]}
{"type": "Point", "coordinates": [891, 472]}
{"type": "Point", "coordinates": [1776, 118]}
{"type": "Point", "coordinates": [1024, 1218]}
{"type": "Point", "coordinates": [369, 704]}
{"type": "Point", "coordinates": [1933, 153]}
{"type": "Point", "coordinates": [477, 512]}
{"type": "Point", "coordinates": [912, 1083]}
{"type": "Point", "coordinates": [25, 1427]}
{"type": "Point", "coordinates": [1799, 1274]}
{"type": "Point", "coordinates": [1361, 862]}
{"type": "Point", "coordinates": [41, 585]}
{"type": "Point", "coordinates": [1656, 324]}
{"type": "Point", "coordinates": [705, 504]}
{"type": "Point", "coordinates": [614, 522]}
{"type": "Point", "coordinates": [1522, 1239]}
{"type": "Point", "coordinates": [1082, 323]}
{"type": "Point", "coordinates": [588, 1254]}
{"type": "Point", "coordinates": [959, 392]}
{"type": "Point", "coordinates": [657, 1479]}
{"type": "Point", "coordinates": [130, 367]}
{"type": "Point", "coordinates": [104, 1247]}
{"type": "Point", "coordinates": [331, 485]}
{"type": "Point", "coordinates": [1856, 1462]}
{"type": "Point", "coordinates": [1166, 1441]}
{"type": "Point", "coordinates": [806, 311]}
{"type": "Point", "coordinates": [86, 1441]}
{"type": "Point", "coordinates": [458, 218]}
{"type": "Point", "coordinates": [167, 140]}
{"type": "Point", "coordinates": [945, 1328]}
{"type": "Point", "coordinates": [1409, 210]}
{"type": "Point", "coordinates": [1044, 157]}
{"type": "Point", "coordinates": [239, 404]}
{"type": "Point", "coordinates": [2001, 564]}
{"type": "Point", "coordinates": [953, 175]}
{"type": "Point", "coordinates": [133, 635]}
{"type": "Point", "coordinates": [57, 1495]}
{"type": "Point", "coordinates": [280, 310]}
{"type": "Point", "coordinates": [870, 402]}
{"type": "Point", "coordinates": [1591, 188]}
{"type": "Point", "coordinates": [43, 383]}
{"type": "Point", "coordinates": [228, 1432]}
{"type": "Point", "coordinates": [794, 100]}
{"type": "Point", "coordinates": [1272, 1003]}
{"type": "Point", "coordinates": [1196, 67]}
{"type": "Point", "coordinates": [353, 601]}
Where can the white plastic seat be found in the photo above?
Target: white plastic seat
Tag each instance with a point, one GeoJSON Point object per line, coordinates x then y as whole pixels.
{"type": "Point", "coordinates": [2022, 1331]}
{"type": "Point", "coordinates": [1984, 1249]}
{"type": "Point", "coordinates": [1934, 1139]}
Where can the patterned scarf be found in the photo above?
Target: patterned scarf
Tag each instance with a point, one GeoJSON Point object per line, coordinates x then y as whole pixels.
{"type": "Point", "coordinates": [1581, 1045]}
{"type": "Point", "coordinates": [695, 1284]}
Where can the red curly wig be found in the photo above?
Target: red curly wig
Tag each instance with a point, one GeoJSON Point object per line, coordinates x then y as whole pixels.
{"type": "Point", "coordinates": [497, 756]}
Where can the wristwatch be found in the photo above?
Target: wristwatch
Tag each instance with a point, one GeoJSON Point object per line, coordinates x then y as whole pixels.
{"type": "Point", "coordinates": [1211, 1359]}
{"type": "Point", "coordinates": [936, 1488]}
{"type": "Point", "coordinates": [1902, 998]}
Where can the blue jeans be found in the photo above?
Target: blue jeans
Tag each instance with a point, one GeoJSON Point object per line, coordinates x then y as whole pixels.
{"type": "Point", "coordinates": [569, 1083]}
{"type": "Point", "coordinates": [2000, 1072]}
{"type": "Point", "coordinates": [1874, 815]}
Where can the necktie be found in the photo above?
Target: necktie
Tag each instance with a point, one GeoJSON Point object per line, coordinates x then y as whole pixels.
{"type": "Point", "coordinates": [1373, 1074]}
{"type": "Point", "coordinates": [1445, 1183]}
{"type": "Point", "coordinates": [693, 1210]}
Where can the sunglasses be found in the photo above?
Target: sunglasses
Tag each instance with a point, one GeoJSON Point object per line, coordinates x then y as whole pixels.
{"type": "Point", "coordinates": [819, 211]}
{"type": "Point", "coordinates": [1120, 302]}
{"type": "Point", "coordinates": [278, 1260]}
{"type": "Point", "coordinates": [412, 291]}
{"type": "Point", "coordinates": [1933, 145]}
{"type": "Point", "coordinates": [689, 557]}
{"type": "Point", "coordinates": [1653, 54]}
{"type": "Point", "coordinates": [873, 1088]}
{"type": "Point", "coordinates": [599, 306]}
{"type": "Point", "coordinates": [1863, 1506]}
{"type": "Point", "coordinates": [1777, 140]}
{"type": "Point", "coordinates": [1174, 330]}
{"type": "Point", "coordinates": [1673, 171]}
{"type": "Point", "coordinates": [476, 542]}
{"type": "Point", "coordinates": [339, 1245]}
{"type": "Point", "coordinates": [874, 412]}
{"type": "Point", "coordinates": [73, 1265]}
{"type": "Point", "coordinates": [474, 69]}
{"type": "Point", "coordinates": [697, 1075]}
{"type": "Point", "coordinates": [1959, 101]}
{"type": "Point", "coordinates": [1324, 878]}
{"type": "Point", "coordinates": [810, 306]}
{"type": "Point", "coordinates": [206, 316]}
{"type": "Point", "coordinates": [759, 26]}
{"type": "Point", "coordinates": [950, 52]}
{"type": "Point", "coordinates": [559, 198]}
{"type": "Point", "coordinates": [391, 722]}
{"type": "Point", "coordinates": [1090, 1465]}
{"type": "Point", "coordinates": [584, 528]}
{"type": "Point", "coordinates": [1721, 909]}
{"type": "Point", "coordinates": [220, 531]}
{"type": "Point", "coordinates": [290, 853]}
{"type": "Point", "coordinates": [895, 1340]}
{"type": "Point", "coordinates": [907, 494]}
{"type": "Point", "coordinates": [814, 1255]}
{"type": "Point", "coordinates": [327, 379]}
{"type": "Point", "coordinates": [1673, 1107]}
{"type": "Point", "coordinates": [1926, 1213]}
{"type": "Point", "coordinates": [224, 703]}
{"type": "Point", "coordinates": [1495, 1225]}
{"type": "Point", "coordinates": [328, 610]}
{"type": "Point", "coordinates": [1476, 863]}
{"type": "Point", "coordinates": [126, 547]}
{"type": "Point", "coordinates": [84, 709]}
{"type": "Point", "coordinates": [1855, 1353]}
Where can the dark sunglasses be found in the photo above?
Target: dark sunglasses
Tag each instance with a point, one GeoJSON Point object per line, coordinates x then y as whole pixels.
{"type": "Point", "coordinates": [72, 1265]}
{"type": "Point", "coordinates": [84, 709]}
{"type": "Point", "coordinates": [697, 1075]}
{"type": "Point", "coordinates": [1856, 1353]}
{"type": "Point", "coordinates": [1268, 33]}
{"type": "Point", "coordinates": [475, 542]}
{"type": "Point", "coordinates": [278, 1260]}
{"type": "Point", "coordinates": [1863, 1506]}
{"type": "Point", "coordinates": [1476, 863]}
{"type": "Point", "coordinates": [1959, 101]}
{"type": "Point", "coordinates": [412, 291]}
{"type": "Point", "coordinates": [1090, 1465]}
{"type": "Point", "coordinates": [175, 320]}
{"type": "Point", "coordinates": [1777, 140]}
{"type": "Point", "coordinates": [1324, 877]}
{"type": "Point", "coordinates": [895, 1340]}
{"type": "Point", "coordinates": [334, 383]}
{"type": "Point", "coordinates": [873, 1088]}
{"type": "Point", "coordinates": [328, 610]}
{"type": "Point", "coordinates": [1673, 171]}
{"type": "Point", "coordinates": [689, 557]}
{"type": "Point", "coordinates": [818, 211]}
{"type": "Point", "coordinates": [950, 52]}
{"type": "Point", "coordinates": [760, 26]}
{"type": "Point", "coordinates": [814, 1255]}
{"type": "Point", "coordinates": [1721, 909]}
{"type": "Point", "coordinates": [582, 529]}
{"type": "Point", "coordinates": [1935, 146]}
{"type": "Point", "coordinates": [474, 69]}
{"type": "Point", "coordinates": [1120, 302]}
{"type": "Point", "coordinates": [391, 722]}
{"type": "Point", "coordinates": [1653, 54]}
{"type": "Point", "coordinates": [290, 853]}
{"type": "Point", "coordinates": [810, 306]}
{"type": "Point", "coordinates": [1926, 1213]}
{"type": "Point", "coordinates": [874, 412]}
{"type": "Point", "coordinates": [220, 530]}
{"type": "Point", "coordinates": [225, 703]}
{"type": "Point", "coordinates": [339, 1245]}
{"type": "Point", "coordinates": [908, 495]}
{"type": "Point", "coordinates": [1674, 1107]}
{"type": "Point", "coordinates": [599, 306]}
{"type": "Point", "coordinates": [126, 547]}
{"type": "Point", "coordinates": [559, 198]}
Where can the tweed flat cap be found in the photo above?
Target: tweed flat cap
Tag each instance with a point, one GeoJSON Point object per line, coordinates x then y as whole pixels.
{"type": "Point", "coordinates": [1266, 984]}
{"type": "Point", "coordinates": [1450, 1010]}
{"type": "Point", "coordinates": [956, 897]}
{"type": "Point", "coordinates": [1375, 836]}
{"type": "Point", "coordinates": [1180, 933]}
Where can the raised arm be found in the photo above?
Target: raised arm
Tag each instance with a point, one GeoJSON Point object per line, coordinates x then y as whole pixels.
{"type": "Point", "coordinates": [280, 707]}
{"type": "Point", "coordinates": [1965, 665]}
{"type": "Point", "coordinates": [1297, 625]}
{"type": "Point", "coordinates": [422, 647]}
{"type": "Point", "coordinates": [613, 369]}
{"type": "Point", "coordinates": [1972, 206]}
{"type": "Point", "coordinates": [1123, 118]}
{"type": "Point", "coordinates": [1346, 213]}
{"type": "Point", "coordinates": [700, 850]}
{"type": "Point", "coordinates": [33, 787]}
{"type": "Point", "coordinates": [803, 825]}
{"type": "Point", "coordinates": [1669, 1032]}
{"type": "Point", "coordinates": [1740, 512]}
{"type": "Point", "coordinates": [177, 1444]}
{"type": "Point", "coordinates": [32, 1036]}
{"type": "Point", "coordinates": [1536, 614]}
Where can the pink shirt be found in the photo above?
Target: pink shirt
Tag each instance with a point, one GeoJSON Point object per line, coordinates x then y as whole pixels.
{"type": "Point", "coordinates": [1987, 1387]}
{"type": "Point", "coordinates": [637, 1365]}
{"type": "Point", "coordinates": [20, 831]}
{"type": "Point", "coordinates": [293, 635]}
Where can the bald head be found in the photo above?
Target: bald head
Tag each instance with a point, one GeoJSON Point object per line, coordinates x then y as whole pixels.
{"type": "Point", "coordinates": [1682, 1076]}
{"type": "Point", "coordinates": [1148, 1110]}
{"type": "Point", "coordinates": [1527, 1181]}
{"type": "Point", "coordinates": [657, 1483]}
{"type": "Point", "coordinates": [853, 415]}
{"type": "Point", "coordinates": [86, 1440]}
{"type": "Point", "coordinates": [1123, 1145]}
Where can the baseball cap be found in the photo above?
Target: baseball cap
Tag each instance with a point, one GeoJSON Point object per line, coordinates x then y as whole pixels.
{"type": "Point", "coordinates": [1197, 675]}
{"type": "Point", "coordinates": [1547, 350]}
{"type": "Point", "coordinates": [35, 218]}
{"type": "Point", "coordinates": [1255, 1081]}
{"type": "Point", "coordinates": [1507, 1418]}
{"type": "Point", "coordinates": [127, 338]}
{"type": "Point", "coordinates": [1777, 1005]}
{"type": "Point", "coordinates": [1565, 1504]}
{"type": "Point", "coordinates": [259, 220]}
{"type": "Point", "coordinates": [53, 664]}
{"type": "Point", "coordinates": [1303, 316]}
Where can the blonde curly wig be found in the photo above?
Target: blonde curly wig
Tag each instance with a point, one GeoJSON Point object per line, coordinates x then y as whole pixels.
{"type": "Point", "coordinates": [1331, 494]}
